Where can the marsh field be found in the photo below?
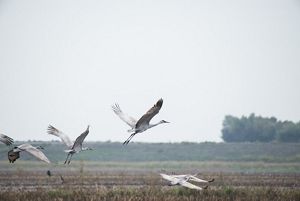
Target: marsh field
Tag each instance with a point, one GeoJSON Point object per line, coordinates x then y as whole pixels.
{"type": "Point", "coordinates": [267, 178]}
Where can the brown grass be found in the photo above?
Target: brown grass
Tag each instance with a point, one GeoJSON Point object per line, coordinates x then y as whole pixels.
{"type": "Point", "coordinates": [101, 185]}
{"type": "Point", "coordinates": [152, 193]}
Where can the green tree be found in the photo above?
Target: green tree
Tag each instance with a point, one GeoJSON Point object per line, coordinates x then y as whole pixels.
{"type": "Point", "coordinates": [232, 129]}
{"type": "Point", "coordinates": [288, 132]}
{"type": "Point", "coordinates": [249, 129]}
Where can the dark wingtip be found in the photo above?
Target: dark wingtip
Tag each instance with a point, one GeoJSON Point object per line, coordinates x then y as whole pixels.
{"type": "Point", "coordinates": [51, 129]}
{"type": "Point", "coordinates": [40, 147]}
{"type": "Point", "coordinates": [205, 187]}
{"type": "Point", "coordinates": [212, 180]}
{"type": "Point", "coordinates": [159, 102]}
{"type": "Point", "coordinates": [8, 140]}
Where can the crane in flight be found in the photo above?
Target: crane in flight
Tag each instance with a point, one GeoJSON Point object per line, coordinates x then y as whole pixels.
{"type": "Point", "coordinates": [73, 148]}
{"type": "Point", "coordinates": [143, 123]}
{"type": "Point", "coordinates": [190, 177]}
{"type": "Point", "coordinates": [182, 181]}
{"type": "Point", "coordinates": [14, 154]}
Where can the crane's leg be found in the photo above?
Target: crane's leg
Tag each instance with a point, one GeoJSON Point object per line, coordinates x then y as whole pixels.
{"type": "Point", "coordinates": [70, 159]}
{"type": "Point", "coordinates": [128, 139]}
{"type": "Point", "coordinates": [62, 179]}
{"type": "Point", "coordinates": [67, 158]}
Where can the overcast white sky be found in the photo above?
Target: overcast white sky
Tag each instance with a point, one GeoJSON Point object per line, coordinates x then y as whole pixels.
{"type": "Point", "coordinates": [66, 62]}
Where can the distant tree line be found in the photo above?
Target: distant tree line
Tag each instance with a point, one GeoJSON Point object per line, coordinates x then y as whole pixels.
{"type": "Point", "coordinates": [259, 129]}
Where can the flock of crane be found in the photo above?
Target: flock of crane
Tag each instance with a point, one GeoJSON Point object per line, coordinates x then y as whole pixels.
{"type": "Point", "coordinates": [137, 126]}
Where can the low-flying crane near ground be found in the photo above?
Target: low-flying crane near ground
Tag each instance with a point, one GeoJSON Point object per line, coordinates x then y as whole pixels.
{"type": "Point", "coordinates": [143, 123]}
{"type": "Point", "coordinates": [182, 181]}
{"type": "Point", "coordinates": [14, 154]}
{"type": "Point", "coordinates": [190, 177]}
{"type": "Point", "coordinates": [75, 147]}
{"type": "Point", "coordinates": [6, 140]}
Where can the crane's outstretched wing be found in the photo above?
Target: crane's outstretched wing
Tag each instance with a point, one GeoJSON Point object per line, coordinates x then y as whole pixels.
{"type": "Point", "coordinates": [189, 185]}
{"type": "Point", "coordinates": [6, 140]}
{"type": "Point", "coordinates": [168, 177]}
{"type": "Point", "coordinates": [193, 178]}
{"type": "Point", "coordinates": [80, 139]}
{"type": "Point", "coordinates": [145, 119]}
{"type": "Point", "coordinates": [180, 175]}
{"type": "Point", "coordinates": [64, 138]}
{"type": "Point", "coordinates": [127, 119]}
{"type": "Point", "coordinates": [33, 151]}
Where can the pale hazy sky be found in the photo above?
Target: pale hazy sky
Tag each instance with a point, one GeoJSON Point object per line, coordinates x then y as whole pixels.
{"type": "Point", "coordinates": [66, 62]}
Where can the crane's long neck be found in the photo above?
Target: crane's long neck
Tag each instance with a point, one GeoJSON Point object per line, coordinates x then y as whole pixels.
{"type": "Point", "coordinates": [152, 125]}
